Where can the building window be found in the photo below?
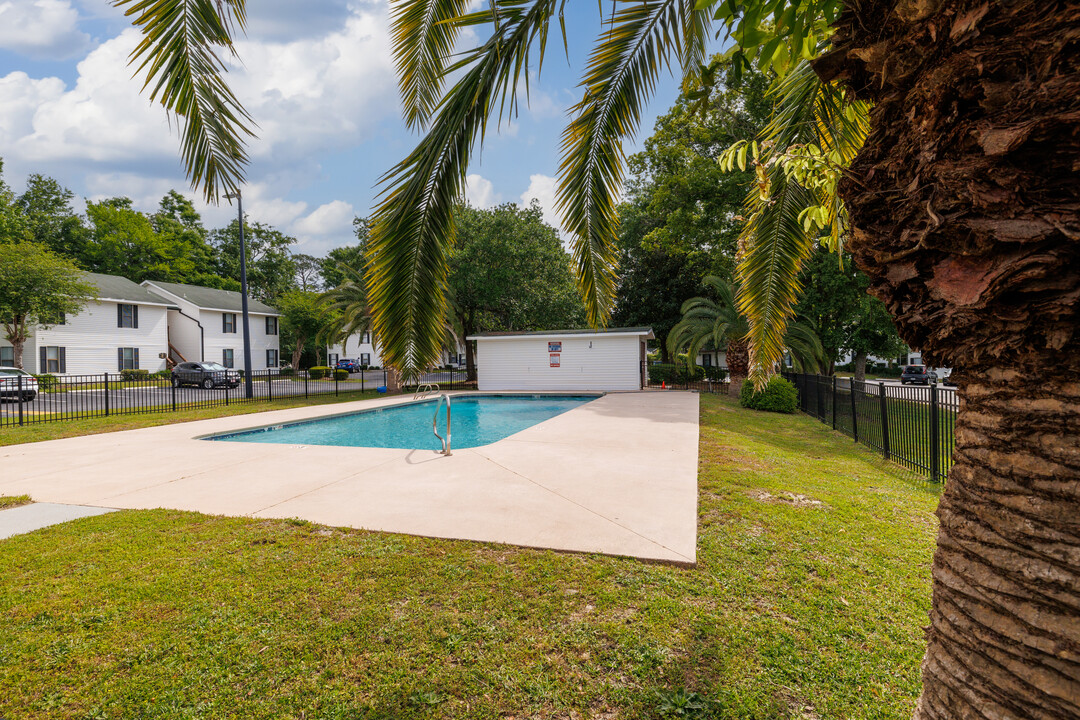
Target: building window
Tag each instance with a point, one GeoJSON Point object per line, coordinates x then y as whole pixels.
{"type": "Point", "coordinates": [53, 360]}
{"type": "Point", "coordinates": [706, 360]}
{"type": "Point", "coordinates": [7, 356]}
{"type": "Point", "coordinates": [227, 357]}
{"type": "Point", "coordinates": [365, 339]}
{"type": "Point", "coordinates": [127, 316]}
{"type": "Point", "coordinates": [271, 359]}
{"type": "Point", "coordinates": [365, 358]}
{"type": "Point", "coordinates": [228, 323]}
{"type": "Point", "coordinates": [127, 359]}
{"type": "Point", "coordinates": [331, 359]}
{"type": "Point", "coordinates": [271, 326]}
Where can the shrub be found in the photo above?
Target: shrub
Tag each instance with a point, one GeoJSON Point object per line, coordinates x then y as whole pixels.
{"type": "Point", "coordinates": [319, 372]}
{"type": "Point", "coordinates": [287, 371]}
{"type": "Point", "coordinates": [163, 374]}
{"type": "Point", "coordinates": [132, 375]}
{"type": "Point", "coordinates": [674, 374]}
{"type": "Point", "coordinates": [341, 374]}
{"type": "Point", "coordinates": [47, 382]}
{"type": "Point", "coordinates": [778, 396]}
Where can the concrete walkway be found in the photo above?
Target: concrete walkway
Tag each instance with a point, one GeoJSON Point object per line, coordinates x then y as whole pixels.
{"type": "Point", "coordinates": [28, 518]}
{"type": "Point", "coordinates": [616, 476]}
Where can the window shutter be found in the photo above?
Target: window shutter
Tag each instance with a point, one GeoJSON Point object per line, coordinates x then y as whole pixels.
{"type": "Point", "coordinates": [119, 359]}
{"type": "Point", "coordinates": [119, 315]}
{"type": "Point", "coordinates": [134, 316]}
{"type": "Point", "coordinates": [225, 358]}
{"type": "Point", "coordinates": [224, 322]}
{"type": "Point", "coordinates": [44, 366]}
{"type": "Point", "coordinates": [62, 354]}
{"type": "Point", "coordinates": [136, 351]}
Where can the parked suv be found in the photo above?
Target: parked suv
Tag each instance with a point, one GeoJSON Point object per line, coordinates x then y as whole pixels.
{"type": "Point", "coordinates": [917, 374]}
{"type": "Point", "coordinates": [9, 384]}
{"type": "Point", "coordinates": [347, 364]}
{"type": "Point", "coordinates": [204, 374]}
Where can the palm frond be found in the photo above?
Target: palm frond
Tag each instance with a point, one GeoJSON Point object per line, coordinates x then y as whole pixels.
{"type": "Point", "coordinates": [413, 226]}
{"type": "Point", "coordinates": [620, 76]}
{"type": "Point", "coordinates": [423, 33]}
{"type": "Point", "coordinates": [178, 55]}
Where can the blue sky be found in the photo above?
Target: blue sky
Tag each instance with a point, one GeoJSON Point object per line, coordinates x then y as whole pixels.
{"type": "Point", "coordinates": [318, 78]}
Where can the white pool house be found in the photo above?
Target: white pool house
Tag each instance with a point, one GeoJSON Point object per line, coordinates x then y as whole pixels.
{"type": "Point", "coordinates": [605, 360]}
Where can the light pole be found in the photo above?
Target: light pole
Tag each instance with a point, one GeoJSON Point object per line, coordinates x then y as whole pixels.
{"type": "Point", "coordinates": [248, 389]}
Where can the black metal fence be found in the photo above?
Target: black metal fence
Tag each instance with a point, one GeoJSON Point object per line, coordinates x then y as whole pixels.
{"type": "Point", "coordinates": [702, 379]}
{"type": "Point", "coordinates": [912, 425]}
{"type": "Point", "coordinates": [54, 398]}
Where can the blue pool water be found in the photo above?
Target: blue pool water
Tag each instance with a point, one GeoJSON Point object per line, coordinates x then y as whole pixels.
{"type": "Point", "coordinates": [475, 420]}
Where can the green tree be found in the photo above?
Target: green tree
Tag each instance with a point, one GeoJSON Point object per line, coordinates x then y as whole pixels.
{"type": "Point", "coordinates": [36, 287]}
{"type": "Point", "coordinates": [46, 204]}
{"type": "Point", "coordinates": [508, 271]}
{"type": "Point", "coordinates": [123, 242]}
{"type": "Point", "coordinates": [13, 225]}
{"type": "Point", "coordinates": [303, 318]}
{"type": "Point", "coordinates": [308, 272]}
{"type": "Point", "coordinates": [341, 262]}
{"type": "Point", "coordinates": [847, 318]}
{"type": "Point", "coordinates": [271, 270]}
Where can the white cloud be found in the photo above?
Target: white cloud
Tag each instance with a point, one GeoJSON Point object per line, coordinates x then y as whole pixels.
{"type": "Point", "coordinates": [480, 192]}
{"type": "Point", "coordinates": [332, 218]}
{"type": "Point", "coordinates": [542, 189]}
{"type": "Point", "coordinates": [43, 29]}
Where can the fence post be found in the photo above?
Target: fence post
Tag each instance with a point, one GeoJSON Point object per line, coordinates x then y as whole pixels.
{"type": "Point", "coordinates": [363, 385]}
{"type": "Point", "coordinates": [305, 383]}
{"type": "Point", "coordinates": [19, 398]}
{"type": "Point", "coordinates": [269, 385]}
{"type": "Point", "coordinates": [884, 421]}
{"type": "Point", "coordinates": [935, 443]}
{"type": "Point", "coordinates": [854, 412]}
{"type": "Point", "coordinates": [335, 383]}
{"type": "Point", "coordinates": [106, 394]}
{"type": "Point", "coordinates": [172, 386]}
{"type": "Point", "coordinates": [834, 402]}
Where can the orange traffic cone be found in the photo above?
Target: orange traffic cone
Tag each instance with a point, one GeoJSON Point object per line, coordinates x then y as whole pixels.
{"type": "Point", "coordinates": [663, 384]}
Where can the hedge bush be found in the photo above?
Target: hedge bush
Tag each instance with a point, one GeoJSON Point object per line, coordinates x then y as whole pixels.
{"type": "Point", "coordinates": [131, 375]}
{"type": "Point", "coordinates": [47, 382]}
{"type": "Point", "coordinates": [286, 371]}
{"type": "Point", "coordinates": [341, 374]}
{"type": "Point", "coordinates": [163, 374]}
{"type": "Point", "coordinates": [778, 396]}
{"type": "Point", "coordinates": [319, 372]}
{"type": "Point", "coordinates": [677, 374]}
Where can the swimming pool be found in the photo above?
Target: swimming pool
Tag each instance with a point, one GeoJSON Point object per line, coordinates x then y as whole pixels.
{"type": "Point", "coordinates": [475, 420]}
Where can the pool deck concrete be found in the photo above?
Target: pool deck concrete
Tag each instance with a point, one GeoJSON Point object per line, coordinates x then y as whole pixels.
{"type": "Point", "coordinates": [616, 476]}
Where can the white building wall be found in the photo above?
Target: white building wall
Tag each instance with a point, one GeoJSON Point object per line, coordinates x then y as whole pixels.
{"type": "Point", "coordinates": [185, 335]}
{"type": "Point", "coordinates": [30, 354]}
{"type": "Point", "coordinates": [92, 337]}
{"type": "Point", "coordinates": [585, 363]}
{"type": "Point", "coordinates": [354, 347]}
{"type": "Point", "coordinates": [215, 340]}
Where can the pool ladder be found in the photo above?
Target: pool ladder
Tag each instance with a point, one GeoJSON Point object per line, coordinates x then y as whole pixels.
{"type": "Point", "coordinates": [435, 423]}
{"type": "Point", "coordinates": [422, 391]}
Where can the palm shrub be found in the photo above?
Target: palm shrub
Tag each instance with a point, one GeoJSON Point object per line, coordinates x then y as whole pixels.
{"type": "Point", "coordinates": [778, 395]}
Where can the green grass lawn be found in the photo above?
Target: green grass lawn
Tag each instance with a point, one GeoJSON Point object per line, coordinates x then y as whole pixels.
{"type": "Point", "coordinates": [808, 602]}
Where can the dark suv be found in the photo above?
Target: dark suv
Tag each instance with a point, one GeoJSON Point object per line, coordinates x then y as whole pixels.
{"type": "Point", "coordinates": [208, 375]}
{"type": "Point", "coordinates": [917, 374]}
{"type": "Point", "coordinates": [347, 364]}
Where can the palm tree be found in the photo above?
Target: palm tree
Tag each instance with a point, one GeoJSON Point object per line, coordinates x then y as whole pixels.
{"type": "Point", "coordinates": [964, 211]}
{"type": "Point", "coordinates": [349, 308]}
{"type": "Point", "coordinates": [719, 322]}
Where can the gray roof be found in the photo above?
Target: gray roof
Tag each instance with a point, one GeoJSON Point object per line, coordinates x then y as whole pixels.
{"type": "Point", "coordinates": [114, 287]}
{"type": "Point", "coordinates": [586, 331]}
{"type": "Point", "coordinates": [213, 299]}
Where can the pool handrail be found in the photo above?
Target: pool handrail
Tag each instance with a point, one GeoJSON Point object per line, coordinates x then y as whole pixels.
{"type": "Point", "coordinates": [422, 391]}
{"type": "Point", "coordinates": [435, 423]}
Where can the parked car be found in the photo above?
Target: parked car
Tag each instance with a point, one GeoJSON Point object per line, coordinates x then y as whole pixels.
{"type": "Point", "coordinates": [347, 364]}
{"type": "Point", "coordinates": [917, 374]}
{"type": "Point", "coordinates": [207, 375]}
{"type": "Point", "coordinates": [10, 386]}
{"type": "Point", "coordinates": [944, 376]}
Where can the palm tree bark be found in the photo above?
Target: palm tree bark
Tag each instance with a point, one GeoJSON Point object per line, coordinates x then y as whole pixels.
{"type": "Point", "coordinates": [966, 213]}
{"type": "Point", "coordinates": [737, 355]}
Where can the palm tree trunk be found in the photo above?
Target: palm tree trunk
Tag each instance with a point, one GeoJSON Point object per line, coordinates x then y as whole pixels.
{"type": "Point", "coordinates": [738, 363]}
{"type": "Point", "coordinates": [966, 213]}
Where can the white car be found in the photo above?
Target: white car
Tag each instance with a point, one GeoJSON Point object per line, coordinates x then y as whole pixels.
{"type": "Point", "coordinates": [10, 386]}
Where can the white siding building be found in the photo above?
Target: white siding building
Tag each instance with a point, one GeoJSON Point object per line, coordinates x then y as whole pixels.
{"type": "Point", "coordinates": [575, 360]}
{"type": "Point", "coordinates": [206, 326]}
{"type": "Point", "coordinates": [361, 347]}
{"type": "Point", "coordinates": [126, 328]}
